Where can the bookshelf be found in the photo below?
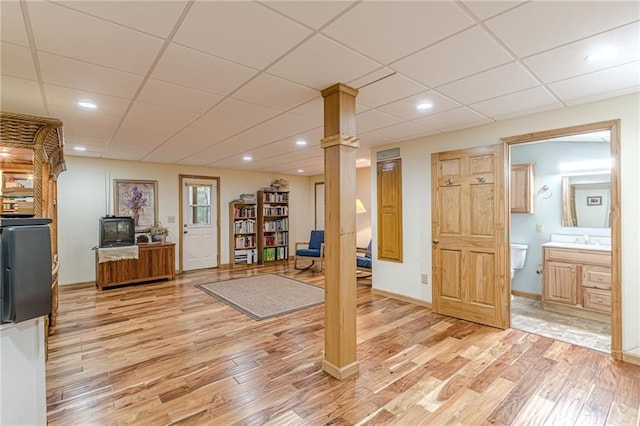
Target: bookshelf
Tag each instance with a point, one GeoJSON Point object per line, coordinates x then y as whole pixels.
{"type": "Point", "coordinates": [273, 226]}
{"type": "Point", "coordinates": [243, 248]}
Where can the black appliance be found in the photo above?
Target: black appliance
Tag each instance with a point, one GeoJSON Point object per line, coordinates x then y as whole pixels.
{"type": "Point", "coordinates": [25, 268]}
{"type": "Point", "coordinates": [117, 231]}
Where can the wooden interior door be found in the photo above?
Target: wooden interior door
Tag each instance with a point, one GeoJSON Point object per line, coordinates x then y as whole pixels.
{"type": "Point", "coordinates": [469, 215]}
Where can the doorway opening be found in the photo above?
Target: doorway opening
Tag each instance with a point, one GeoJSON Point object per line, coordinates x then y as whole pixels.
{"type": "Point", "coordinates": [565, 280]}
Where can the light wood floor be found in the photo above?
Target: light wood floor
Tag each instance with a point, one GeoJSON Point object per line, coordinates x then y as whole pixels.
{"type": "Point", "coordinates": [167, 353]}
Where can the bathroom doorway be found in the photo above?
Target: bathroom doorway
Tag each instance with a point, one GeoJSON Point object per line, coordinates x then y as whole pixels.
{"type": "Point", "coordinates": [574, 194]}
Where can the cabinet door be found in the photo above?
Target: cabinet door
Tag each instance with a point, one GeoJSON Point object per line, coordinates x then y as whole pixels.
{"type": "Point", "coordinates": [520, 188]}
{"type": "Point", "coordinates": [560, 282]}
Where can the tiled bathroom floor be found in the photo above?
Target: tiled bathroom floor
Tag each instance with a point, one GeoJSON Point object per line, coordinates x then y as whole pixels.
{"type": "Point", "coordinates": [528, 315]}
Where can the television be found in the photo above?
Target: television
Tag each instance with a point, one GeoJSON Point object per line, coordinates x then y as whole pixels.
{"type": "Point", "coordinates": [117, 231]}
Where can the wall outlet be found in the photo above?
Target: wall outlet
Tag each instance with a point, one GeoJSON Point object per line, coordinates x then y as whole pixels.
{"type": "Point", "coordinates": [424, 278]}
{"type": "Point", "coordinates": [539, 228]}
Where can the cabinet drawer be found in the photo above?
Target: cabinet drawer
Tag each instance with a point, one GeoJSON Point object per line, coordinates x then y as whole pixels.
{"type": "Point", "coordinates": [596, 299]}
{"type": "Point", "coordinates": [596, 277]}
{"type": "Point", "coordinates": [578, 256]}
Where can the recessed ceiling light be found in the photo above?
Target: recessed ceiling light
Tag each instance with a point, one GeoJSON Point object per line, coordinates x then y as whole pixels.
{"type": "Point", "coordinates": [300, 171]}
{"type": "Point", "coordinates": [424, 105]}
{"type": "Point", "coordinates": [79, 148]}
{"type": "Point", "coordinates": [602, 54]}
{"type": "Point", "coordinates": [301, 142]}
{"type": "Point", "coordinates": [4, 154]}
{"type": "Point", "coordinates": [247, 158]}
{"type": "Point", "coordinates": [87, 104]}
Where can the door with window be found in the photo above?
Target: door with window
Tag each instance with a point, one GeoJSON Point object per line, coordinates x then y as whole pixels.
{"type": "Point", "coordinates": [470, 272]}
{"type": "Point", "coordinates": [199, 223]}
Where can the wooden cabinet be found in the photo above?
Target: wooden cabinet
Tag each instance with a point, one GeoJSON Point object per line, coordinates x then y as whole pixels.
{"type": "Point", "coordinates": [521, 188]}
{"type": "Point", "coordinates": [273, 226]}
{"type": "Point", "coordinates": [577, 282]}
{"type": "Point", "coordinates": [243, 248]}
{"type": "Point", "coordinates": [155, 262]}
{"type": "Point", "coordinates": [561, 285]}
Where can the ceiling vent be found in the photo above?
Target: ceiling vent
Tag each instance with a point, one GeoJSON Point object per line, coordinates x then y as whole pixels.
{"type": "Point", "coordinates": [388, 154]}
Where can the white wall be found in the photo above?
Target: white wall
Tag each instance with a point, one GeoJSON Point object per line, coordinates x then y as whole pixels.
{"type": "Point", "coordinates": [404, 278]}
{"type": "Point", "coordinates": [22, 368]}
{"type": "Point", "coordinates": [86, 187]}
{"type": "Point", "coordinates": [363, 192]}
{"type": "Point", "coordinates": [548, 157]}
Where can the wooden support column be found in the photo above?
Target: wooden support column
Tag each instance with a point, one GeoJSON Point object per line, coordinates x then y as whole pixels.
{"type": "Point", "coordinates": [340, 144]}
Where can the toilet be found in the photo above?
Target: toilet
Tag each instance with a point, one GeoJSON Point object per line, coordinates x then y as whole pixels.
{"type": "Point", "coordinates": [518, 256]}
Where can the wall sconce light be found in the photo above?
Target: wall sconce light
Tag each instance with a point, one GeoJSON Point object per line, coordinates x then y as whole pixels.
{"type": "Point", "coordinates": [544, 192]}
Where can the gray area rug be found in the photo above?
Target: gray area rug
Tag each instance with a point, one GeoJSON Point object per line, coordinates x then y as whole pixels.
{"type": "Point", "coordinates": [265, 296]}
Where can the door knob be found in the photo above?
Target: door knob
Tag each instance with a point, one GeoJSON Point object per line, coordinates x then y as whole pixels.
{"type": "Point", "coordinates": [184, 232]}
{"type": "Point", "coordinates": [435, 241]}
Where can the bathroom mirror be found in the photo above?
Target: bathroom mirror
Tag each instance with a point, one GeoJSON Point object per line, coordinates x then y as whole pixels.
{"type": "Point", "coordinates": [586, 201]}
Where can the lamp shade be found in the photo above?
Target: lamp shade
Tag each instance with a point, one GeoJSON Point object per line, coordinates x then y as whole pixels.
{"type": "Point", "coordinates": [360, 207]}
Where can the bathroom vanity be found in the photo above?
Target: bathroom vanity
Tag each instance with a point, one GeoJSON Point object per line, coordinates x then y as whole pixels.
{"type": "Point", "coordinates": [576, 279]}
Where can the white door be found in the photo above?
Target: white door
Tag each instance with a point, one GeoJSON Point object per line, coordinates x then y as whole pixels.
{"type": "Point", "coordinates": [199, 224]}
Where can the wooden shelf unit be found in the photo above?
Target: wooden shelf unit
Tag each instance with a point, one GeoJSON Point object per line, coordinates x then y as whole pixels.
{"type": "Point", "coordinates": [273, 226]}
{"type": "Point", "coordinates": [243, 238]}
{"type": "Point", "coordinates": [155, 261]}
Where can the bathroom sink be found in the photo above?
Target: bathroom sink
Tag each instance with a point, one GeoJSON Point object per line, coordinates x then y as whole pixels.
{"type": "Point", "coordinates": [577, 246]}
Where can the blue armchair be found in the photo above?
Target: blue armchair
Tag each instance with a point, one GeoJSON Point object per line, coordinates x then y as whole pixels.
{"type": "Point", "coordinates": [314, 250]}
{"type": "Point", "coordinates": [363, 261]}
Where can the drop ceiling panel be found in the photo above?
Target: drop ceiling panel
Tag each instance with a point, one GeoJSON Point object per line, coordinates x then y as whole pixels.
{"type": "Point", "coordinates": [280, 127]}
{"type": "Point", "coordinates": [489, 84]}
{"type": "Point", "coordinates": [274, 92]}
{"type": "Point", "coordinates": [600, 82]}
{"type": "Point", "coordinates": [451, 118]}
{"type": "Point", "coordinates": [406, 108]}
{"type": "Point", "coordinates": [569, 60]}
{"type": "Point", "coordinates": [312, 13]}
{"type": "Point", "coordinates": [130, 153]}
{"type": "Point", "coordinates": [137, 132]}
{"type": "Point", "coordinates": [154, 17]}
{"type": "Point", "coordinates": [187, 67]}
{"type": "Point", "coordinates": [243, 112]}
{"type": "Point", "coordinates": [516, 103]}
{"type": "Point", "coordinates": [69, 33]}
{"type": "Point", "coordinates": [93, 145]}
{"type": "Point", "coordinates": [200, 136]}
{"type": "Point", "coordinates": [487, 9]}
{"type": "Point", "coordinates": [367, 27]}
{"type": "Point", "coordinates": [312, 109]}
{"type": "Point", "coordinates": [406, 130]}
{"type": "Point", "coordinates": [171, 95]}
{"type": "Point", "coordinates": [22, 96]}
{"type": "Point", "coordinates": [17, 61]}
{"type": "Point", "coordinates": [68, 98]}
{"type": "Point", "coordinates": [86, 124]}
{"type": "Point", "coordinates": [160, 114]}
{"type": "Point", "coordinates": [88, 77]}
{"type": "Point", "coordinates": [259, 35]}
{"type": "Point", "coordinates": [563, 22]}
{"type": "Point", "coordinates": [12, 28]}
{"type": "Point", "coordinates": [374, 119]}
{"type": "Point", "coordinates": [464, 54]}
{"type": "Point", "coordinates": [388, 90]}
{"type": "Point", "coordinates": [319, 63]}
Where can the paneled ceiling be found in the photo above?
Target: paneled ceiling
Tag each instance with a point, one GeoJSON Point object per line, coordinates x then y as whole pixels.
{"type": "Point", "coordinates": [209, 83]}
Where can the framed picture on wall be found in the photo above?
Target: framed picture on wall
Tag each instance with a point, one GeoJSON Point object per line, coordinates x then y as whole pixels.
{"type": "Point", "coordinates": [594, 200]}
{"type": "Point", "coordinates": [138, 199]}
